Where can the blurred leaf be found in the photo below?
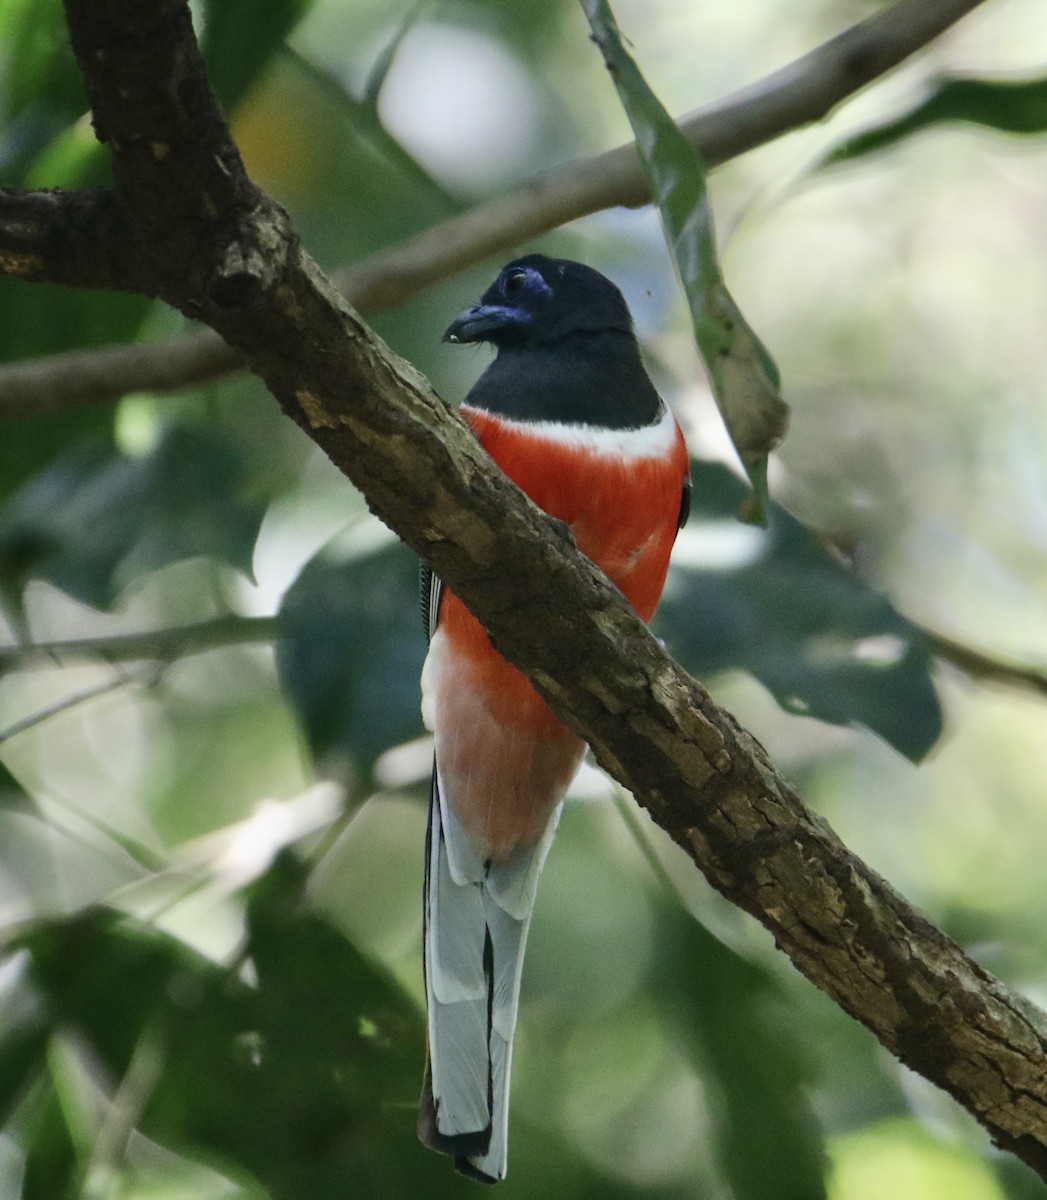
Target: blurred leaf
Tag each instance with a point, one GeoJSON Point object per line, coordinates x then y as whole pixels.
{"type": "Point", "coordinates": [44, 144]}
{"type": "Point", "coordinates": [743, 375]}
{"type": "Point", "coordinates": [1018, 1181]}
{"type": "Point", "coordinates": [723, 1008]}
{"type": "Point", "coordinates": [43, 90]}
{"type": "Point", "coordinates": [351, 653]}
{"type": "Point", "coordinates": [553, 1167]}
{"type": "Point", "coordinates": [239, 39]}
{"type": "Point", "coordinates": [12, 796]}
{"type": "Point", "coordinates": [382, 65]}
{"type": "Point", "coordinates": [40, 60]}
{"type": "Point", "coordinates": [1009, 105]}
{"type": "Point", "coordinates": [51, 1169]}
{"type": "Point", "coordinates": [23, 1052]}
{"type": "Point", "coordinates": [96, 519]}
{"type": "Point", "coordinates": [44, 319]}
{"type": "Point", "coordinates": [306, 1079]}
{"type": "Point", "coordinates": [821, 641]}
{"type": "Point", "coordinates": [342, 1046]}
{"type": "Point", "coordinates": [364, 121]}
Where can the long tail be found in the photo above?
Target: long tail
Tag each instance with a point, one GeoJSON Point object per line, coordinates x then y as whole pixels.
{"type": "Point", "coordinates": [476, 919]}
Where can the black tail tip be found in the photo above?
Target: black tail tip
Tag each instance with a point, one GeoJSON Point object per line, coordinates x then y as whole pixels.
{"type": "Point", "coordinates": [462, 1146]}
{"type": "Point", "coordinates": [465, 1166]}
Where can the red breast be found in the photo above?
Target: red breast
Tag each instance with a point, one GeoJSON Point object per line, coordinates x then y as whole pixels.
{"type": "Point", "coordinates": [619, 491]}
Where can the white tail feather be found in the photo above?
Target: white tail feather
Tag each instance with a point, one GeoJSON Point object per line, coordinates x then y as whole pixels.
{"type": "Point", "coordinates": [477, 917]}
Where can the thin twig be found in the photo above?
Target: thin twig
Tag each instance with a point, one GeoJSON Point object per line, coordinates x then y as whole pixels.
{"type": "Point", "coordinates": [984, 667]}
{"type": "Point", "coordinates": [113, 684]}
{"type": "Point", "coordinates": [158, 645]}
{"type": "Point", "coordinates": [798, 94]}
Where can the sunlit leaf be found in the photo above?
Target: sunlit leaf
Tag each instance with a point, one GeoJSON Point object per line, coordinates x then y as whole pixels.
{"type": "Point", "coordinates": [1016, 106]}
{"type": "Point", "coordinates": [779, 606]}
{"type": "Point", "coordinates": [743, 375]}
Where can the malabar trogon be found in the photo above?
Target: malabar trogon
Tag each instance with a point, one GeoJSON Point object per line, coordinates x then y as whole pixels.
{"type": "Point", "coordinates": [568, 412]}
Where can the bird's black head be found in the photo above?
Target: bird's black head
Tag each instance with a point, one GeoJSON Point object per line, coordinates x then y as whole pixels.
{"type": "Point", "coordinates": [566, 349]}
{"type": "Point", "coordinates": [540, 301]}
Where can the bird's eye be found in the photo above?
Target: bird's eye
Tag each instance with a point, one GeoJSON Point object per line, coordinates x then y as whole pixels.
{"type": "Point", "coordinates": [513, 283]}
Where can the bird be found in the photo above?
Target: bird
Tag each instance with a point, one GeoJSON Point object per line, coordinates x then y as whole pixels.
{"type": "Point", "coordinates": [567, 410]}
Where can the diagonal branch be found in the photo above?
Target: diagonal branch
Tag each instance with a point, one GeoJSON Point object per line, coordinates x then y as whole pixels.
{"type": "Point", "coordinates": [804, 91]}
{"type": "Point", "coordinates": [707, 782]}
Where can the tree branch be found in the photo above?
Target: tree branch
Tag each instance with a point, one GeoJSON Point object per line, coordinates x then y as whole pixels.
{"type": "Point", "coordinates": [234, 629]}
{"type": "Point", "coordinates": [707, 782]}
{"type": "Point", "coordinates": [155, 645]}
{"type": "Point", "coordinates": [976, 664]}
{"type": "Point", "coordinates": [800, 93]}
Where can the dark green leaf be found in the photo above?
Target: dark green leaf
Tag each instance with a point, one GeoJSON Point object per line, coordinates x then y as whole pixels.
{"type": "Point", "coordinates": [96, 519]}
{"type": "Point", "coordinates": [52, 1168]}
{"type": "Point", "coordinates": [306, 1079]}
{"type": "Point", "coordinates": [1010, 105]}
{"type": "Point", "coordinates": [23, 1047]}
{"type": "Point", "coordinates": [239, 39]}
{"type": "Point", "coordinates": [724, 1009]}
{"type": "Point", "coordinates": [351, 651]}
{"type": "Point", "coordinates": [12, 796]}
{"type": "Point", "coordinates": [743, 375]}
{"type": "Point", "coordinates": [39, 320]}
{"type": "Point", "coordinates": [822, 642]}
{"type": "Point", "coordinates": [1017, 1181]}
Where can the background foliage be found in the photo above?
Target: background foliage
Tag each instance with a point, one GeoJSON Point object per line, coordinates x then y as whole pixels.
{"type": "Point", "coordinates": [210, 848]}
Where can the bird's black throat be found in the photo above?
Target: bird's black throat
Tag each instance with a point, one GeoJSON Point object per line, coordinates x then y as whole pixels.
{"type": "Point", "coordinates": [592, 377]}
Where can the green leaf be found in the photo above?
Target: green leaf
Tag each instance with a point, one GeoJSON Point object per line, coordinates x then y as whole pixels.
{"type": "Point", "coordinates": [239, 39]}
{"type": "Point", "coordinates": [742, 373]}
{"type": "Point", "coordinates": [363, 119]}
{"type": "Point", "coordinates": [96, 519]}
{"type": "Point", "coordinates": [306, 1078]}
{"type": "Point", "coordinates": [12, 797]}
{"type": "Point", "coordinates": [43, 91]}
{"type": "Point", "coordinates": [726, 1014]}
{"type": "Point", "coordinates": [821, 641]}
{"type": "Point", "coordinates": [52, 1168]}
{"type": "Point", "coordinates": [1016, 106]}
{"type": "Point", "coordinates": [383, 64]}
{"type": "Point", "coordinates": [351, 652]}
{"type": "Point", "coordinates": [23, 1051]}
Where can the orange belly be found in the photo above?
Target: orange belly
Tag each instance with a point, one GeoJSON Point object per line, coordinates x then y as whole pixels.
{"type": "Point", "coordinates": [503, 757]}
